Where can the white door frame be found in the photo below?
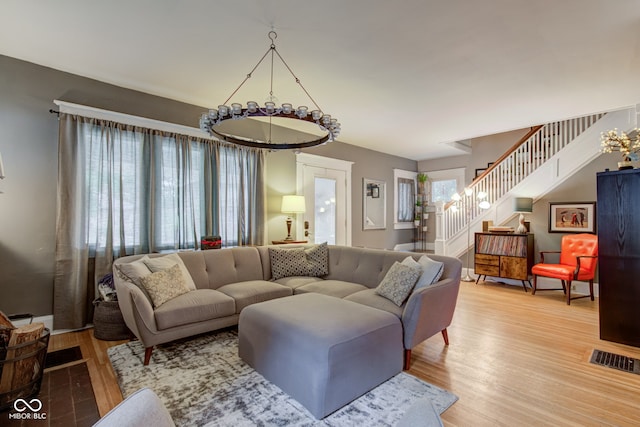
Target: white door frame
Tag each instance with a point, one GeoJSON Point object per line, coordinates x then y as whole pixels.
{"type": "Point", "coordinates": [305, 159]}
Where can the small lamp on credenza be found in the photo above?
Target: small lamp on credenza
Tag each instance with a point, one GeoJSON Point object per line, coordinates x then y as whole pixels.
{"type": "Point", "coordinates": [522, 205]}
{"type": "Point", "coordinates": [292, 205]}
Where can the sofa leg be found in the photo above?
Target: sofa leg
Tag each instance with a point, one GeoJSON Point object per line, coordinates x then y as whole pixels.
{"type": "Point", "coordinates": [147, 355]}
{"type": "Point", "coordinates": [445, 335]}
{"type": "Point", "coordinates": [407, 359]}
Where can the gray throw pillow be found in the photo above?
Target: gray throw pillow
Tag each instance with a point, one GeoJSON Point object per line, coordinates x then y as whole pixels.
{"type": "Point", "coordinates": [398, 283]}
{"type": "Point", "coordinates": [431, 272]}
{"type": "Point", "coordinates": [288, 262]}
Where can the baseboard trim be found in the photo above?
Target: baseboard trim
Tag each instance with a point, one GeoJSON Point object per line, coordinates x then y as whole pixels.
{"type": "Point", "coordinates": [581, 288]}
{"type": "Point", "coordinates": [410, 247]}
{"type": "Point", "coordinates": [48, 323]}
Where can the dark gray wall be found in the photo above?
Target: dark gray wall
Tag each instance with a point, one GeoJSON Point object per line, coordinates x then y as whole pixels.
{"type": "Point", "coordinates": [28, 143]}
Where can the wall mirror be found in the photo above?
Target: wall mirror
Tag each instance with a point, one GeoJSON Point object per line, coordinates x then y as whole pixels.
{"type": "Point", "coordinates": [374, 204]}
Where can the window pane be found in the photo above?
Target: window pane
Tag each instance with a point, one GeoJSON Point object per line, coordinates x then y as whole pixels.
{"type": "Point", "coordinates": [405, 199]}
{"type": "Point", "coordinates": [441, 191]}
{"type": "Point", "coordinates": [325, 215]}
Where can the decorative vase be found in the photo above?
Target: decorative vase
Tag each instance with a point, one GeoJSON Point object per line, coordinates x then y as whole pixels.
{"type": "Point", "coordinates": [625, 164]}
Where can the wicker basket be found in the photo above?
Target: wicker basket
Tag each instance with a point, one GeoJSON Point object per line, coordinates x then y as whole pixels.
{"type": "Point", "coordinates": [108, 323]}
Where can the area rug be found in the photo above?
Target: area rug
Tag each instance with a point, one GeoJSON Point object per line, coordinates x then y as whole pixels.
{"type": "Point", "coordinates": [202, 381]}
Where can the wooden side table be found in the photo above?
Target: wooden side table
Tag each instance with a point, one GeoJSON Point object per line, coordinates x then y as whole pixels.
{"type": "Point", "coordinates": [285, 242]}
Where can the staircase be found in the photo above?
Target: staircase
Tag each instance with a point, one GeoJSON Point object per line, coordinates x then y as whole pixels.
{"type": "Point", "coordinates": [544, 159]}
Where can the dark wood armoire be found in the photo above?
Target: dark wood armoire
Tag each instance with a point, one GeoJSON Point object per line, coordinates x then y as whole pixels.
{"type": "Point", "coordinates": [618, 213]}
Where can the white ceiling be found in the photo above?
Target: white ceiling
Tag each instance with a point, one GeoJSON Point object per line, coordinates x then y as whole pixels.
{"type": "Point", "coordinates": [403, 77]}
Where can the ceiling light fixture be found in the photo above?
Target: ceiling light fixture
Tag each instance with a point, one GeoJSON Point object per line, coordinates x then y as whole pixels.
{"type": "Point", "coordinates": [212, 122]}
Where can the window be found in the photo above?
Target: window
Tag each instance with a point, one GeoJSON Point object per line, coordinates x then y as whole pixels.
{"type": "Point", "coordinates": [441, 191]}
{"type": "Point", "coordinates": [147, 191]}
{"type": "Point", "coordinates": [445, 183]}
{"type": "Point", "coordinates": [403, 198]}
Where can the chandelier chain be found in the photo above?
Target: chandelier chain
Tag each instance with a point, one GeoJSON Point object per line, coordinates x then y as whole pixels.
{"type": "Point", "coordinates": [297, 79]}
{"type": "Point", "coordinates": [212, 121]}
{"type": "Point", "coordinates": [248, 75]}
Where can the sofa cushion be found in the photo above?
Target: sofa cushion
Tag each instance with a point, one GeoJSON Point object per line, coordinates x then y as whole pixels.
{"type": "Point", "coordinates": [194, 306]}
{"type": "Point", "coordinates": [163, 262]}
{"type": "Point", "coordinates": [334, 288]}
{"type": "Point", "coordinates": [295, 282]}
{"type": "Point", "coordinates": [398, 282]}
{"type": "Point", "coordinates": [253, 291]}
{"type": "Point", "coordinates": [288, 262]}
{"type": "Point", "coordinates": [164, 285]}
{"type": "Point", "coordinates": [370, 298]}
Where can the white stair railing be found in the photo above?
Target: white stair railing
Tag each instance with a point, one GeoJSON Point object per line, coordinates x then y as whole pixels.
{"type": "Point", "coordinates": [501, 177]}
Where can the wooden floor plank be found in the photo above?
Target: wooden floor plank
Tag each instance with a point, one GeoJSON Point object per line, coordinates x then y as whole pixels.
{"type": "Point", "coordinates": [513, 359]}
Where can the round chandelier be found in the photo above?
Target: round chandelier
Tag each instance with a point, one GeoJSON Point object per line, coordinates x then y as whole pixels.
{"type": "Point", "coordinates": [213, 122]}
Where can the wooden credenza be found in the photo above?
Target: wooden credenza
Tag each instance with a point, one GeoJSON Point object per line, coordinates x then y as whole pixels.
{"type": "Point", "coordinates": [619, 255]}
{"type": "Point", "coordinates": [505, 255]}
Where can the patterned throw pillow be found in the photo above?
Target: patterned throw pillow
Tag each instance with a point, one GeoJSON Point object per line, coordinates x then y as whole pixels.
{"type": "Point", "coordinates": [288, 262]}
{"type": "Point", "coordinates": [318, 260]}
{"type": "Point", "coordinates": [165, 285]}
{"type": "Point", "coordinates": [398, 283]}
{"type": "Point", "coordinates": [431, 272]}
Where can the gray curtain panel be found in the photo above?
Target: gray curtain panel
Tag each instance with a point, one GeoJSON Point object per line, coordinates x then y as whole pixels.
{"type": "Point", "coordinates": [126, 190]}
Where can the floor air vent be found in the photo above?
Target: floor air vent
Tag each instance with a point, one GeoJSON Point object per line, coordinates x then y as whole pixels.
{"type": "Point", "coordinates": [616, 361]}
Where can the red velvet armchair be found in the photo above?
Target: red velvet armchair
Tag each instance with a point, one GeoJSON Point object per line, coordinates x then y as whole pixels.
{"type": "Point", "coordinates": [578, 259]}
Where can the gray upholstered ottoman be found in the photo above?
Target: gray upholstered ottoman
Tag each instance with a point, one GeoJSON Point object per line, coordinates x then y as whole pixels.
{"type": "Point", "coordinates": [322, 351]}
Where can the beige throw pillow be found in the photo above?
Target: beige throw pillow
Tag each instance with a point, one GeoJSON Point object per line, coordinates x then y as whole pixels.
{"type": "Point", "coordinates": [165, 285]}
{"type": "Point", "coordinates": [163, 262]}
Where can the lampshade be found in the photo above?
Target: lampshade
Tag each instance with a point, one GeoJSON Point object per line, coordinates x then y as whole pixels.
{"type": "Point", "coordinates": [523, 204]}
{"type": "Point", "coordinates": [293, 204]}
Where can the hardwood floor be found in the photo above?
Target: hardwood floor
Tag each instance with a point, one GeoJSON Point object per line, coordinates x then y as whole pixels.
{"type": "Point", "coordinates": [514, 359]}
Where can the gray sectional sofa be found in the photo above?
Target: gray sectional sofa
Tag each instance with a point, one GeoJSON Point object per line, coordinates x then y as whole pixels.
{"type": "Point", "coordinates": [228, 280]}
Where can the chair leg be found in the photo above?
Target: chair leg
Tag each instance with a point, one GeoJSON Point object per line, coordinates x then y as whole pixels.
{"type": "Point", "coordinates": [564, 286]}
{"type": "Point", "coordinates": [591, 289]}
{"type": "Point", "coordinates": [535, 285]}
{"type": "Point", "coordinates": [407, 359]}
{"type": "Point", "coordinates": [568, 288]}
{"type": "Point", "coordinates": [445, 335]}
{"type": "Point", "coordinates": [147, 355]}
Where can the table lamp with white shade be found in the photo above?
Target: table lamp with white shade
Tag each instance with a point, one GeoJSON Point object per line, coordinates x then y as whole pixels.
{"type": "Point", "coordinates": [292, 204]}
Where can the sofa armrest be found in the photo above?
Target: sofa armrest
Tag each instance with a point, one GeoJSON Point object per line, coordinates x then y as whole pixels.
{"type": "Point", "coordinates": [136, 309]}
{"type": "Point", "coordinates": [429, 310]}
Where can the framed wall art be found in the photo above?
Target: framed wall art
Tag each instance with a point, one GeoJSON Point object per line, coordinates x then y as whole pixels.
{"type": "Point", "coordinates": [572, 217]}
